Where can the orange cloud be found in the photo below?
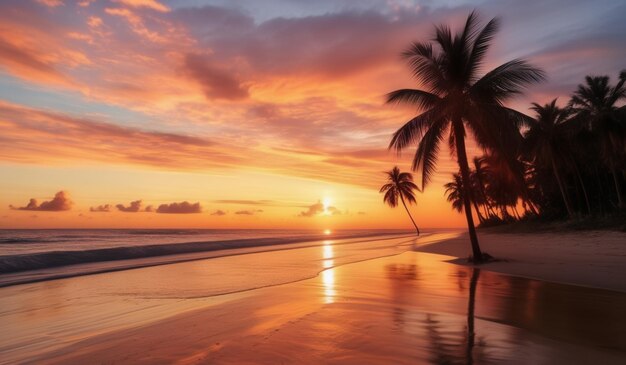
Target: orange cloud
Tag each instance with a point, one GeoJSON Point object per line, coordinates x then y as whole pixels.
{"type": "Point", "coordinates": [60, 202]}
{"type": "Point", "coordinates": [137, 24]}
{"type": "Point", "coordinates": [133, 207]}
{"type": "Point", "coordinates": [101, 208]}
{"type": "Point", "coordinates": [31, 135]}
{"type": "Point", "coordinates": [179, 208]}
{"type": "Point", "coordinates": [318, 209]}
{"type": "Point", "coordinates": [29, 63]}
{"type": "Point", "coordinates": [248, 212]}
{"type": "Point", "coordinates": [51, 3]}
{"type": "Point", "coordinates": [94, 21]}
{"type": "Point", "coordinates": [150, 4]}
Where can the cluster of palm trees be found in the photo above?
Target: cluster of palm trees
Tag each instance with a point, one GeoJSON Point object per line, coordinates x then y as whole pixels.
{"type": "Point", "coordinates": [528, 160]}
{"type": "Point", "coordinates": [572, 161]}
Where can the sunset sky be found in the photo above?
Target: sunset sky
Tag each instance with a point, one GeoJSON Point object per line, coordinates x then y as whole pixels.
{"type": "Point", "coordinates": [244, 113]}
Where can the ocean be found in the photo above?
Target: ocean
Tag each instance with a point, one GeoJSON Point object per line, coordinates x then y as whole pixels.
{"type": "Point", "coordinates": [70, 252]}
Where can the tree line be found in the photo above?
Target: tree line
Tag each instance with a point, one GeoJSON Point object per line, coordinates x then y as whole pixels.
{"type": "Point", "coordinates": [563, 161]}
{"type": "Point", "coordinates": [571, 161]}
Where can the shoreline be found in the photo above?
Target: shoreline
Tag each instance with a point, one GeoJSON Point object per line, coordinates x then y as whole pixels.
{"type": "Point", "coordinates": [384, 307]}
{"type": "Point", "coordinates": [593, 259]}
{"type": "Point", "coordinates": [107, 266]}
{"type": "Point", "coordinates": [397, 309]}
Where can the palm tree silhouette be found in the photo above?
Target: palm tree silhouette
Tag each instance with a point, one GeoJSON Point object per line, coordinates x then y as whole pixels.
{"type": "Point", "coordinates": [480, 176]}
{"type": "Point", "coordinates": [595, 105]}
{"type": "Point", "coordinates": [400, 185]}
{"type": "Point", "coordinates": [454, 192]}
{"type": "Point", "coordinates": [546, 142]}
{"type": "Point", "coordinates": [457, 97]}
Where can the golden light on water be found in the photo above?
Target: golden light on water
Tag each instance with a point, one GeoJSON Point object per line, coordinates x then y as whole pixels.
{"type": "Point", "coordinates": [328, 275]}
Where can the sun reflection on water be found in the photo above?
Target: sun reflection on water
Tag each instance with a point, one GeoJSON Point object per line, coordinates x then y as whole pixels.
{"type": "Point", "coordinates": [328, 275]}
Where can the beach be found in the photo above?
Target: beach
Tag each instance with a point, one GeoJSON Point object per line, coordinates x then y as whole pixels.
{"type": "Point", "coordinates": [376, 301]}
{"type": "Point", "coordinates": [595, 259]}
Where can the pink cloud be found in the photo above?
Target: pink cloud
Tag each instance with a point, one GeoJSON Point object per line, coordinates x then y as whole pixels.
{"type": "Point", "coordinates": [51, 3]}
{"type": "Point", "coordinates": [149, 4]}
{"type": "Point", "coordinates": [216, 82]}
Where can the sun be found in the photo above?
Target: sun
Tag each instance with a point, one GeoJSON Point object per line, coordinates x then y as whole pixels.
{"type": "Point", "coordinates": [327, 231]}
{"type": "Point", "coordinates": [326, 203]}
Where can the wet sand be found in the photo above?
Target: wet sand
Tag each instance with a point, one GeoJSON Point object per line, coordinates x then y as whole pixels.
{"type": "Point", "coordinates": [594, 259]}
{"type": "Point", "coordinates": [409, 308]}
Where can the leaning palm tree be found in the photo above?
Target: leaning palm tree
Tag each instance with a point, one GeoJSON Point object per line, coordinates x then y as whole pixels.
{"type": "Point", "coordinates": [546, 143]}
{"type": "Point", "coordinates": [400, 186]}
{"type": "Point", "coordinates": [456, 97]}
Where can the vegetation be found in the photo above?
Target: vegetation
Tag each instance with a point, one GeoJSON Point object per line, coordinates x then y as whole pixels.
{"type": "Point", "coordinates": [400, 186]}
{"type": "Point", "coordinates": [573, 161]}
{"type": "Point", "coordinates": [455, 97]}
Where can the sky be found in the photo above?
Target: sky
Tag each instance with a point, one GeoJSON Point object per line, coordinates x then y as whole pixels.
{"type": "Point", "coordinates": [245, 113]}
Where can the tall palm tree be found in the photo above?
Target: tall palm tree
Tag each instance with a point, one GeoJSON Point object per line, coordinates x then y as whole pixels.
{"type": "Point", "coordinates": [546, 143]}
{"type": "Point", "coordinates": [595, 104]}
{"type": "Point", "coordinates": [456, 96]}
{"type": "Point", "coordinates": [400, 186]}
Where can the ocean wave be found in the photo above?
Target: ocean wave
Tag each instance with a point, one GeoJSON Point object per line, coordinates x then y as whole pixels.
{"type": "Point", "coordinates": [45, 260]}
{"type": "Point", "coordinates": [14, 240]}
{"type": "Point", "coordinates": [172, 232]}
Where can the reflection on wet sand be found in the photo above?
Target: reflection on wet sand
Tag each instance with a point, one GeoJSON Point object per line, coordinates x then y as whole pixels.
{"type": "Point", "coordinates": [328, 275]}
{"type": "Point", "coordinates": [406, 309]}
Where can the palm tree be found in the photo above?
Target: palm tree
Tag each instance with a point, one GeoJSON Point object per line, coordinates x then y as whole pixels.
{"type": "Point", "coordinates": [546, 142]}
{"type": "Point", "coordinates": [595, 104]}
{"type": "Point", "coordinates": [456, 97]}
{"type": "Point", "coordinates": [400, 185]}
{"type": "Point", "coordinates": [454, 192]}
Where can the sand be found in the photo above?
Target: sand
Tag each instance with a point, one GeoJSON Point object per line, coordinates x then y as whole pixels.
{"type": "Point", "coordinates": [409, 308]}
{"type": "Point", "coordinates": [594, 259]}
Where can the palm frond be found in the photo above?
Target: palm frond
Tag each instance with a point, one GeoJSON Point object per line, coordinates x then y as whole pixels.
{"type": "Point", "coordinates": [421, 99]}
{"type": "Point", "coordinates": [413, 130]}
{"type": "Point", "coordinates": [426, 155]}
{"type": "Point", "coordinates": [505, 81]}
{"type": "Point", "coordinates": [426, 66]}
{"type": "Point", "coordinates": [480, 47]}
{"type": "Point", "coordinates": [386, 187]}
{"type": "Point", "coordinates": [391, 198]}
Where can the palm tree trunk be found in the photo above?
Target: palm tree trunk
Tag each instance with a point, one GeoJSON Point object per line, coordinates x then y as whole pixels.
{"type": "Point", "coordinates": [514, 207]}
{"type": "Point", "coordinates": [504, 213]}
{"type": "Point", "coordinates": [492, 212]}
{"type": "Point", "coordinates": [532, 207]}
{"type": "Point", "coordinates": [459, 137]}
{"type": "Point", "coordinates": [483, 194]}
{"type": "Point", "coordinates": [582, 185]}
{"type": "Point", "coordinates": [560, 183]}
{"type": "Point", "coordinates": [620, 203]}
{"type": "Point", "coordinates": [478, 214]}
{"type": "Point", "coordinates": [410, 216]}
